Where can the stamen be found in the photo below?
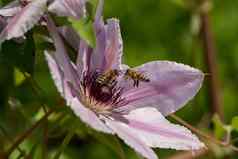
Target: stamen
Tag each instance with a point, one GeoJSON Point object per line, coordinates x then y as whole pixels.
{"type": "Point", "coordinates": [100, 96]}
{"type": "Point", "coordinates": [24, 3]}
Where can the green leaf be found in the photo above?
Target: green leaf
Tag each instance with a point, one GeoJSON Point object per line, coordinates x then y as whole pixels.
{"type": "Point", "coordinates": [219, 127]}
{"type": "Point", "coordinates": [84, 28]}
{"type": "Point", "coordinates": [111, 142]}
{"type": "Point", "coordinates": [19, 53]}
{"type": "Point", "coordinates": [91, 7]}
{"type": "Point", "coordinates": [66, 141]}
{"type": "Point", "coordinates": [19, 77]}
{"type": "Point", "coordinates": [61, 21]}
{"type": "Point", "coordinates": [180, 3]}
{"type": "Point", "coordinates": [234, 123]}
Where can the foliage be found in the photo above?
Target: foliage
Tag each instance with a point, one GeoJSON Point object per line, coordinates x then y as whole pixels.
{"type": "Point", "coordinates": [152, 30]}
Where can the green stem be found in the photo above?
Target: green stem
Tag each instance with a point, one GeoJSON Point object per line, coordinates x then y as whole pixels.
{"type": "Point", "coordinates": [22, 153]}
{"type": "Point", "coordinates": [204, 135]}
{"type": "Point", "coordinates": [27, 133]}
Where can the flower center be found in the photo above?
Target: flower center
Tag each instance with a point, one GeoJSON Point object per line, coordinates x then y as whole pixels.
{"type": "Point", "coordinates": [100, 92]}
{"type": "Point", "coordinates": [24, 2]}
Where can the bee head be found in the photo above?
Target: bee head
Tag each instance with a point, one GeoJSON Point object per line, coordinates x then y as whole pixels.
{"type": "Point", "coordinates": [116, 72]}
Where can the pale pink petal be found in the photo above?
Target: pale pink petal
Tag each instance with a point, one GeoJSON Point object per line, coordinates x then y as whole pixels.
{"type": "Point", "coordinates": [61, 56]}
{"type": "Point", "coordinates": [71, 36]}
{"type": "Point", "coordinates": [98, 56]}
{"type": "Point", "coordinates": [80, 46]}
{"type": "Point", "coordinates": [24, 20]}
{"type": "Point", "coordinates": [131, 138]}
{"type": "Point", "coordinates": [88, 116]}
{"type": "Point", "coordinates": [10, 9]}
{"type": "Point", "coordinates": [99, 11]}
{"type": "Point", "coordinates": [171, 86]}
{"type": "Point", "coordinates": [108, 52]}
{"type": "Point", "coordinates": [84, 57]}
{"type": "Point", "coordinates": [113, 52]}
{"type": "Point", "coordinates": [73, 8]}
{"type": "Point", "coordinates": [56, 73]}
{"type": "Point", "coordinates": [85, 114]}
{"type": "Point", "coordinates": [155, 131]}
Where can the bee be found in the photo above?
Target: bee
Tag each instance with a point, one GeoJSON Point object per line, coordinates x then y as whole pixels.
{"type": "Point", "coordinates": [136, 77]}
{"type": "Point", "coordinates": [108, 78]}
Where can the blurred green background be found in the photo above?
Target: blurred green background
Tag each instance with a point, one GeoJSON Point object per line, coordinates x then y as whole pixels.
{"type": "Point", "coordinates": [151, 30]}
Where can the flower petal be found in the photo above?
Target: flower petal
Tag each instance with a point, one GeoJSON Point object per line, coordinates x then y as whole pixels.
{"type": "Point", "coordinates": [108, 52]}
{"type": "Point", "coordinates": [84, 57]}
{"type": "Point", "coordinates": [171, 86]}
{"type": "Point", "coordinates": [98, 56]}
{"type": "Point", "coordinates": [56, 73]}
{"type": "Point", "coordinates": [99, 11]}
{"type": "Point", "coordinates": [10, 9]}
{"type": "Point", "coordinates": [88, 116]}
{"type": "Point", "coordinates": [83, 49]}
{"type": "Point", "coordinates": [73, 8]}
{"type": "Point", "coordinates": [71, 36]}
{"type": "Point", "coordinates": [62, 59]}
{"type": "Point", "coordinates": [155, 131]}
{"type": "Point", "coordinates": [113, 52]}
{"type": "Point", "coordinates": [131, 138]}
{"type": "Point", "coordinates": [61, 83]}
{"type": "Point", "coordinates": [24, 20]}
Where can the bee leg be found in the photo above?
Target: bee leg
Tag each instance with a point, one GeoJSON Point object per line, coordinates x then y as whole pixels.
{"type": "Point", "coordinates": [137, 83]}
{"type": "Point", "coordinates": [134, 84]}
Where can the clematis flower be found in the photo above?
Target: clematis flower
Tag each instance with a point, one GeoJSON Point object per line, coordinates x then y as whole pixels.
{"type": "Point", "coordinates": [22, 15]}
{"type": "Point", "coordinates": [135, 114]}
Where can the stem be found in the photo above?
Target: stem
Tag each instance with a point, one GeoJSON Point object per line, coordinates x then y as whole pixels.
{"type": "Point", "coordinates": [45, 138]}
{"type": "Point", "coordinates": [189, 155]}
{"type": "Point", "coordinates": [210, 59]}
{"type": "Point", "coordinates": [36, 89]}
{"type": "Point", "coordinates": [22, 152]}
{"type": "Point", "coordinates": [27, 133]}
{"type": "Point", "coordinates": [204, 135]}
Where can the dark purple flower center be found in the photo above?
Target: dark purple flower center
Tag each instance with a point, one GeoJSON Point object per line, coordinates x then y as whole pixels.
{"type": "Point", "coordinates": [24, 3]}
{"type": "Point", "coordinates": [108, 94]}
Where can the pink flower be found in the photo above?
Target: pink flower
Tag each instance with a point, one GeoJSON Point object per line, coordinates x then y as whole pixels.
{"type": "Point", "coordinates": [135, 114]}
{"type": "Point", "coordinates": [22, 15]}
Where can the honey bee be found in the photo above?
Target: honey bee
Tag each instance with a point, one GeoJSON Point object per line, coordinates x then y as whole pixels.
{"type": "Point", "coordinates": [136, 77]}
{"type": "Point", "coordinates": [108, 78]}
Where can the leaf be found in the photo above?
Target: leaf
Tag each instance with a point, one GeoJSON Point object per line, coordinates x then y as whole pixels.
{"type": "Point", "coordinates": [66, 141]}
{"type": "Point", "coordinates": [19, 77]}
{"type": "Point", "coordinates": [19, 53]}
{"type": "Point", "coordinates": [234, 123]}
{"type": "Point", "coordinates": [91, 7]}
{"type": "Point", "coordinates": [61, 21]}
{"type": "Point", "coordinates": [110, 141]}
{"type": "Point", "coordinates": [219, 127]}
{"type": "Point", "coordinates": [84, 28]}
{"type": "Point", "coordinates": [180, 3]}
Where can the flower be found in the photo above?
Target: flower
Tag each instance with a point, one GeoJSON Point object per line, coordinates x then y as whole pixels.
{"type": "Point", "coordinates": [22, 15]}
{"type": "Point", "coordinates": [135, 114]}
